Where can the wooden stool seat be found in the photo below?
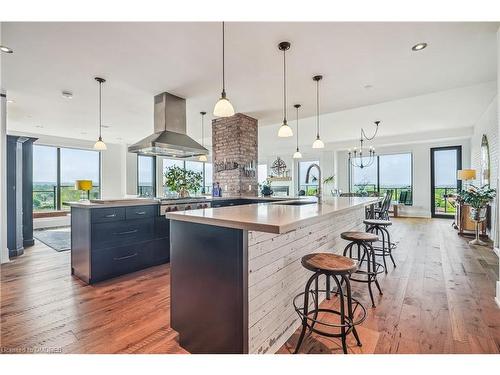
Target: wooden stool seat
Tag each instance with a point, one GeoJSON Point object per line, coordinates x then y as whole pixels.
{"type": "Point", "coordinates": [329, 263]}
{"type": "Point", "coordinates": [359, 236]}
{"type": "Point", "coordinates": [380, 222]}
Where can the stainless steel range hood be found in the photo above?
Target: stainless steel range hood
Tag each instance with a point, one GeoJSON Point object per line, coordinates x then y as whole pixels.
{"type": "Point", "coordinates": [169, 137]}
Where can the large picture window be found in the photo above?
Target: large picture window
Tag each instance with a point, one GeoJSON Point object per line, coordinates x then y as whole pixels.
{"type": "Point", "coordinates": [388, 172]}
{"type": "Point", "coordinates": [55, 170]}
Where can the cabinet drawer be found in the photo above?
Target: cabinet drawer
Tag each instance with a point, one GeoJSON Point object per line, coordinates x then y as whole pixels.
{"type": "Point", "coordinates": [104, 215]}
{"type": "Point", "coordinates": [116, 261]}
{"type": "Point", "coordinates": [121, 233]}
{"type": "Point", "coordinates": [140, 212]}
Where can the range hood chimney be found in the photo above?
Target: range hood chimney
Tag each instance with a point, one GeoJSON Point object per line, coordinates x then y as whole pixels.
{"type": "Point", "coordinates": [169, 137]}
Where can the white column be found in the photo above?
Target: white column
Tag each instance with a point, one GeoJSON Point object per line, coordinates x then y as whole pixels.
{"type": "Point", "coordinates": [4, 252]}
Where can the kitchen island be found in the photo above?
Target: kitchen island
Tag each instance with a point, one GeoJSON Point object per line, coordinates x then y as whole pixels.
{"type": "Point", "coordinates": [235, 270]}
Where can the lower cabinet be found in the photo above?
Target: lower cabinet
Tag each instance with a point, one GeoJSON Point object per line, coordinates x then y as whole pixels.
{"type": "Point", "coordinates": [108, 244]}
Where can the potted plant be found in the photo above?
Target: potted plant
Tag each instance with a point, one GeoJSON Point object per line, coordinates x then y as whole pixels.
{"type": "Point", "coordinates": [266, 188]}
{"type": "Point", "coordinates": [329, 181]}
{"type": "Point", "coordinates": [182, 181]}
{"type": "Point", "coordinates": [477, 198]}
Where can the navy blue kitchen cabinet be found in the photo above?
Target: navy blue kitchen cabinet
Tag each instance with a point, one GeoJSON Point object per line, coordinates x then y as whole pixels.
{"type": "Point", "coordinates": [113, 241]}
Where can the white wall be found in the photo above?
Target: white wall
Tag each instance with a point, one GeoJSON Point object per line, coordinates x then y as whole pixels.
{"type": "Point", "coordinates": [487, 124]}
{"type": "Point", "coordinates": [498, 151]}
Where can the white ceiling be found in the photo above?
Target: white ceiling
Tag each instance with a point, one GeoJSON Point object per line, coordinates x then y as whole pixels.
{"type": "Point", "coordinates": [140, 60]}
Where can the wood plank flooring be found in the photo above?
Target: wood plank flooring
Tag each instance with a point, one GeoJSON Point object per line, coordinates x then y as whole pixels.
{"type": "Point", "coordinates": [438, 300]}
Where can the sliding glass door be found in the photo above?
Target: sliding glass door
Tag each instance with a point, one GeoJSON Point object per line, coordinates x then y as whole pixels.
{"type": "Point", "coordinates": [445, 162]}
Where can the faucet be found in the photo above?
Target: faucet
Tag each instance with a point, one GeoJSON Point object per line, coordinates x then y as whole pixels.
{"type": "Point", "coordinates": [318, 193]}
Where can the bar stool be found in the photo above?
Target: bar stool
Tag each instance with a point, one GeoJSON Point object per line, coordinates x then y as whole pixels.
{"type": "Point", "coordinates": [339, 268]}
{"type": "Point", "coordinates": [368, 268]}
{"type": "Point", "coordinates": [380, 226]}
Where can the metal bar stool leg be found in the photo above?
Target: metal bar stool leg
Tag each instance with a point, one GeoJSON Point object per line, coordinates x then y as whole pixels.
{"type": "Point", "coordinates": [375, 268]}
{"type": "Point", "coordinates": [369, 270]}
{"type": "Point", "coordinates": [343, 335]}
{"type": "Point", "coordinates": [349, 307]}
{"type": "Point", "coordinates": [382, 230]}
{"type": "Point", "coordinates": [306, 307]}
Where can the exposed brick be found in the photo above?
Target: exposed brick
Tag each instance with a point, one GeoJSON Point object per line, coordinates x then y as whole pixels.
{"type": "Point", "coordinates": [235, 139]}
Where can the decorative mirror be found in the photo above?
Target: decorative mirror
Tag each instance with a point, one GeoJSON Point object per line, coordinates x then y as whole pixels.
{"type": "Point", "coordinates": [485, 161]}
{"type": "Point", "coordinates": [278, 167]}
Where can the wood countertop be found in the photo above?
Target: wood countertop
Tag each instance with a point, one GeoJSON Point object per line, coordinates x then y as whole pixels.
{"type": "Point", "coordinates": [276, 217]}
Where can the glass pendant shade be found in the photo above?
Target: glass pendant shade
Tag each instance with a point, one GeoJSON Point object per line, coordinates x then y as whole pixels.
{"type": "Point", "coordinates": [100, 145]}
{"type": "Point", "coordinates": [318, 143]}
{"type": "Point", "coordinates": [223, 108]}
{"type": "Point", "coordinates": [285, 131]}
{"type": "Point", "coordinates": [297, 155]}
{"type": "Point", "coordinates": [203, 158]}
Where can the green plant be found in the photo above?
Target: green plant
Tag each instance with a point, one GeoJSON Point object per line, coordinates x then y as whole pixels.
{"type": "Point", "coordinates": [329, 179]}
{"type": "Point", "coordinates": [478, 197]}
{"type": "Point", "coordinates": [178, 179]}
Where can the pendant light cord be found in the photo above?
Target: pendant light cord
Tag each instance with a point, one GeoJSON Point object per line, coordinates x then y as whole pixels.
{"type": "Point", "coordinates": [223, 62]}
{"type": "Point", "coordinates": [100, 111]}
{"type": "Point", "coordinates": [317, 108]}
{"type": "Point", "coordinates": [202, 132]}
{"type": "Point", "coordinates": [297, 128]}
{"type": "Point", "coordinates": [284, 86]}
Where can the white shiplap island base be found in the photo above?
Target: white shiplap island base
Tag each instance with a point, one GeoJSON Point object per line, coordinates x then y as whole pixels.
{"type": "Point", "coordinates": [233, 283]}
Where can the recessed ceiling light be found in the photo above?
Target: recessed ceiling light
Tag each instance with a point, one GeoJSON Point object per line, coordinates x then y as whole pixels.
{"type": "Point", "coordinates": [419, 46]}
{"type": "Point", "coordinates": [368, 87]}
{"type": "Point", "coordinates": [10, 101]}
{"type": "Point", "coordinates": [67, 94]}
{"type": "Point", "coordinates": [6, 49]}
{"type": "Point", "coordinates": [83, 133]}
{"type": "Point", "coordinates": [106, 126]}
{"type": "Point", "coordinates": [38, 126]}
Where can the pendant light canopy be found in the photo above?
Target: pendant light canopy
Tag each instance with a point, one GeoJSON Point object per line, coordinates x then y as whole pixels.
{"type": "Point", "coordinates": [285, 130]}
{"type": "Point", "coordinates": [297, 154]}
{"type": "Point", "coordinates": [223, 107]}
{"type": "Point", "coordinates": [100, 145]}
{"type": "Point", "coordinates": [202, 158]}
{"type": "Point", "coordinates": [318, 143]}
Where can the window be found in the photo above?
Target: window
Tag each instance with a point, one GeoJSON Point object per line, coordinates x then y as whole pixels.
{"type": "Point", "coordinates": [262, 173]}
{"type": "Point", "coordinates": [78, 165]}
{"type": "Point", "coordinates": [55, 170]}
{"type": "Point", "coordinates": [312, 187]}
{"type": "Point", "coordinates": [204, 168]}
{"type": "Point", "coordinates": [388, 172]}
{"type": "Point", "coordinates": [146, 175]}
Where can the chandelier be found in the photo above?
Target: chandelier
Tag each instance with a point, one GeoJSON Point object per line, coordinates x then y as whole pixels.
{"type": "Point", "coordinates": [356, 156]}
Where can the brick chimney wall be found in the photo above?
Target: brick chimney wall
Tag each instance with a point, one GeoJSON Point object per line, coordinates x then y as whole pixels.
{"type": "Point", "coordinates": [235, 139]}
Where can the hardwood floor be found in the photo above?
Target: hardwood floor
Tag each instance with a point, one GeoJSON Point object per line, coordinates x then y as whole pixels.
{"type": "Point", "coordinates": [438, 300]}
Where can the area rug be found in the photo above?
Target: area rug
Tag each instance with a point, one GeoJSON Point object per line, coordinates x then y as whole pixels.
{"type": "Point", "coordinates": [57, 238]}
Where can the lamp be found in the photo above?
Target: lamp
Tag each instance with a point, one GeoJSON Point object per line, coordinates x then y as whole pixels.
{"type": "Point", "coordinates": [318, 143]}
{"type": "Point", "coordinates": [285, 130]}
{"type": "Point", "coordinates": [297, 154]}
{"type": "Point", "coordinates": [466, 175]}
{"type": "Point", "coordinates": [84, 185]}
{"type": "Point", "coordinates": [223, 107]}
{"type": "Point", "coordinates": [100, 145]}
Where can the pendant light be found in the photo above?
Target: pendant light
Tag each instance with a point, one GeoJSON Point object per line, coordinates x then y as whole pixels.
{"type": "Point", "coordinates": [202, 158]}
{"type": "Point", "coordinates": [100, 145]}
{"type": "Point", "coordinates": [297, 154]}
{"type": "Point", "coordinates": [223, 107]}
{"type": "Point", "coordinates": [285, 130]}
{"type": "Point", "coordinates": [318, 143]}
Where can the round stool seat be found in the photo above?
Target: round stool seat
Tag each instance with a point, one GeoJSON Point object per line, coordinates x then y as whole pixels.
{"type": "Point", "coordinates": [359, 236]}
{"type": "Point", "coordinates": [330, 263]}
{"type": "Point", "coordinates": [380, 222]}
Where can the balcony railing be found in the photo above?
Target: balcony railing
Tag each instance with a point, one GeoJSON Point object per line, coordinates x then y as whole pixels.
{"type": "Point", "coordinates": [45, 198]}
{"type": "Point", "coordinates": [400, 194]}
{"type": "Point", "coordinates": [441, 202]}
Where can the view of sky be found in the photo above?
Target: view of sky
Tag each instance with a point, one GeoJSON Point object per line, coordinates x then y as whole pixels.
{"type": "Point", "coordinates": [445, 168]}
{"type": "Point", "coordinates": [75, 165]}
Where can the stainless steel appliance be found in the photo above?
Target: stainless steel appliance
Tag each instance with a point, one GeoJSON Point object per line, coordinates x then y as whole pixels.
{"type": "Point", "coordinates": [183, 204]}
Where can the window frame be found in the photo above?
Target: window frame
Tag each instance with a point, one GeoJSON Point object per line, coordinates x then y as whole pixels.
{"type": "Point", "coordinates": [316, 161]}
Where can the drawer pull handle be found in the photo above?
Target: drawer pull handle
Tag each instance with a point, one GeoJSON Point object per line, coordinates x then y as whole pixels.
{"type": "Point", "coordinates": [125, 257]}
{"type": "Point", "coordinates": [141, 213]}
{"type": "Point", "coordinates": [110, 215]}
{"type": "Point", "coordinates": [126, 232]}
